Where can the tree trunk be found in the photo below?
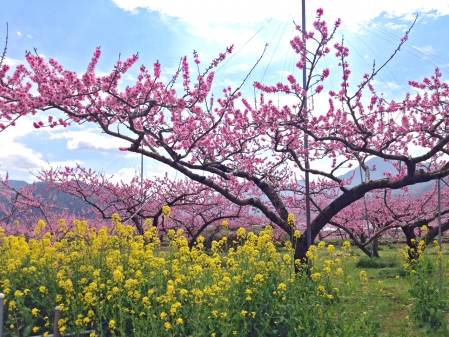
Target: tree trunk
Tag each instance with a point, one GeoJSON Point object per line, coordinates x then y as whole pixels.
{"type": "Point", "coordinates": [375, 244]}
{"type": "Point", "coordinates": [433, 232]}
{"type": "Point", "coordinates": [410, 237]}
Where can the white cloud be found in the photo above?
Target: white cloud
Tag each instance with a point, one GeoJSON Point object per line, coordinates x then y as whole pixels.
{"type": "Point", "coordinates": [11, 62]}
{"type": "Point", "coordinates": [129, 77]}
{"type": "Point", "coordinates": [393, 25]}
{"type": "Point", "coordinates": [66, 163]}
{"type": "Point", "coordinates": [153, 168]}
{"type": "Point", "coordinates": [29, 36]}
{"type": "Point", "coordinates": [390, 89]}
{"type": "Point", "coordinates": [124, 174]}
{"type": "Point", "coordinates": [15, 155]}
{"type": "Point", "coordinates": [90, 140]}
{"type": "Point", "coordinates": [19, 33]}
{"type": "Point", "coordinates": [131, 155]}
{"type": "Point", "coordinates": [425, 50]}
{"type": "Point", "coordinates": [201, 13]}
{"type": "Point", "coordinates": [221, 24]}
{"type": "Point", "coordinates": [283, 72]}
{"type": "Point", "coordinates": [394, 85]}
{"type": "Point", "coordinates": [238, 68]}
{"type": "Point", "coordinates": [23, 127]}
{"type": "Point", "coordinates": [18, 159]}
{"type": "Point", "coordinates": [224, 83]}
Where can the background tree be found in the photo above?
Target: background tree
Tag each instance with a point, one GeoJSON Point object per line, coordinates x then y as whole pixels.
{"type": "Point", "coordinates": [195, 208]}
{"type": "Point", "coordinates": [390, 210]}
{"type": "Point", "coordinates": [21, 208]}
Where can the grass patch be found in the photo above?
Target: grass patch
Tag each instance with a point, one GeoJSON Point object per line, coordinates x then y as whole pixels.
{"type": "Point", "coordinates": [387, 294]}
{"type": "Point", "coordinates": [390, 261]}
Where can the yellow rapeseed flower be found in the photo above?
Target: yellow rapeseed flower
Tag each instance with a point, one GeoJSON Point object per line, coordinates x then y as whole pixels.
{"type": "Point", "coordinates": [282, 286]}
{"type": "Point", "coordinates": [166, 211]}
{"type": "Point", "coordinates": [315, 276]}
{"type": "Point", "coordinates": [12, 305]}
{"type": "Point", "coordinates": [241, 233]}
{"type": "Point", "coordinates": [225, 224]}
{"type": "Point", "coordinates": [297, 234]}
{"type": "Point", "coordinates": [111, 324]}
{"type": "Point", "coordinates": [363, 277]}
{"type": "Point", "coordinates": [291, 219]}
{"type": "Point", "coordinates": [39, 227]}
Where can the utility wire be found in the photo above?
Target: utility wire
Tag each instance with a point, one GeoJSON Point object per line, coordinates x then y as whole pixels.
{"type": "Point", "coordinates": [386, 66]}
{"type": "Point", "coordinates": [369, 66]}
{"type": "Point", "coordinates": [229, 59]}
{"type": "Point", "coordinates": [395, 38]}
{"type": "Point", "coordinates": [286, 56]}
{"type": "Point", "coordinates": [330, 77]}
{"type": "Point", "coordinates": [407, 51]}
{"type": "Point", "coordinates": [274, 52]}
{"type": "Point", "coordinates": [275, 49]}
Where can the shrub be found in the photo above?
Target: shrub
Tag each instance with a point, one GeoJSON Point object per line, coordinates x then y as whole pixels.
{"type": "Point", "coordinates": [429, 294]}
{"type": "Point", "coordinates": [366, 262]}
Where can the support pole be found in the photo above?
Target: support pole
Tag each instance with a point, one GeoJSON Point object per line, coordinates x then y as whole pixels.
{"type": "Point", "coordinates": [306, 141]}
{"type": "Point", "coordinates": [58, 316]}
{"type": "Point", "coordinates": [440, 241]}
{"type": "Point", "coordinates": [141, 186]}
{"type": "Point", "coordinates": [366, 208]}
{"type": "Point", "coordinates": [2, 304]}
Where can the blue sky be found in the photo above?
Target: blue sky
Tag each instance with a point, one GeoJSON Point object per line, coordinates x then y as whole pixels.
{"type": "Point", "coordinates": [69, 31]}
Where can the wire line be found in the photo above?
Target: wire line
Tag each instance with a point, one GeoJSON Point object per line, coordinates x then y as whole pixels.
{"type": "Point", "coordinates": [229, 59]}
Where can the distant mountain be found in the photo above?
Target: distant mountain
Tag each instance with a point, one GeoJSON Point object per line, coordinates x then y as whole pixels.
{"type": "Point", "coordinates": [17, 184]}
{"type": "Point", "coordinates": [63, 200]}
{"type": "Point", "coordinates": [381, 168]}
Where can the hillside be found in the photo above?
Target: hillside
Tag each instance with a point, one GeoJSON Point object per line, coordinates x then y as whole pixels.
{"type": "Point", "coordinates": [381, 168]}
{"type": "Point", "coordinates": [63, 200]}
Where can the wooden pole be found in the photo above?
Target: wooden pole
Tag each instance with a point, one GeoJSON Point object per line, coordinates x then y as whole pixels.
{"type": "Point", "coordinates": [58, 316]}
{"type": "Point", "coordinates": [2, 303]}
{"type": "Point", "coordinates": [440, 241]}
{"type": "Point", "coordinates": [306, 142]}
